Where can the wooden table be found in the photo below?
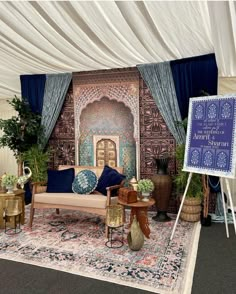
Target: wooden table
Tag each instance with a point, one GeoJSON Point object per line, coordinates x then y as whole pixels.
{"type": "Point", "coordinates": [140, 209]}
{"type": "Point", "coordinates": [3, 196]}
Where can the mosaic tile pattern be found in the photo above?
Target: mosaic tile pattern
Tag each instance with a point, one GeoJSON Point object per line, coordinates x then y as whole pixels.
{"type": "Point", "coordinates": [62, 143]}
{"type": "Point", "coordinates": [129, 161]}
{"type": "Point", "coordinates": [155, 139]}
{"type": "Point", "coordinates": [107, 104]}
{"type": "Point", "coordinates": [120, 85]}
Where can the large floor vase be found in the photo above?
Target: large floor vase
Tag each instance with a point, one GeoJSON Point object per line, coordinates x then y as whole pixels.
{"type": "Point", "coordinates": [191, 210]}
{"type": "Point", "coordinates": [163, 188]}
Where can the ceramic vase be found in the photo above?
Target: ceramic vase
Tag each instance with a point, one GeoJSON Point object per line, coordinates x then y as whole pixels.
{"type": "Point", "coordinates": [163, 188]}
{"type": "Point", "coordinates": [135, 237]}
{"type": "Point", "coordinates": [10, 189]}
{"type": "Point", "coordinates": [145, 196]}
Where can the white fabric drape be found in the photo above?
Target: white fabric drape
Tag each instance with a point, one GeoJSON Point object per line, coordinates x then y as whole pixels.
{"type": "Point", "coordinates": [223, 26]}
{"type": "Point", "coordinates": [228, 85]}
{"type": "Point", "coordinates": [67, 36]}
{"type": "Point", "coordinates": [7, 160]}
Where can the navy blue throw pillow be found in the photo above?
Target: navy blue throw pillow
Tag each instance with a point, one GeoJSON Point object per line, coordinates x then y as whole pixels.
{"type": "Point", "coordinates": [109, 177]}
{"type": "Point", "coordinates": [60, 181]}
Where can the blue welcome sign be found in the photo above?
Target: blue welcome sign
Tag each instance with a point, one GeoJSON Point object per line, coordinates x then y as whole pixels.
{"type": "Point", "coordinates": [210, 143]}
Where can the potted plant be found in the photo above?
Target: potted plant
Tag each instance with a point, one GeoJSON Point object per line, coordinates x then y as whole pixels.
{"type": "Point", "coordinates": [145, 186]}
{"type": "Point", "coordinates": [21, 131]}
{"type": "Point", "coordinates": [9, 181]}
{"type": "Point", "coordinates": [37, 160]}
{"type": "Point", "coordinates": [192, 204]}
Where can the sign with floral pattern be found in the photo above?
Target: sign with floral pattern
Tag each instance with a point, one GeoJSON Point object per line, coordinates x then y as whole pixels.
{"type": "Point", "coordinates": [211, 144]}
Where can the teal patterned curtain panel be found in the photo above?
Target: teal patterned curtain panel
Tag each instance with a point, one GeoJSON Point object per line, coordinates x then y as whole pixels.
{"type": "Point", "coordinates": [158, 77]}
{"type": "Point", "coordinates": [56, 88]}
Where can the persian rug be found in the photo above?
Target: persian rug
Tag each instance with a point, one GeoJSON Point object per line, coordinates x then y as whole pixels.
{"type": "Point", "coordinates": [74, 242]}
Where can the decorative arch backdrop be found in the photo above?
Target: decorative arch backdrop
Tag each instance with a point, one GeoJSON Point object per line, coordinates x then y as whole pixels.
{"type": "Point", "coordinates": [154, 136]}
{"type": "Point", "coordinates": [107, 118]}
{"type": "Point", "coordinates": [107, 103]}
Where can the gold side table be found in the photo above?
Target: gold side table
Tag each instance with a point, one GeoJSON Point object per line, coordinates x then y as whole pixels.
{"type": "Point", "coordinates": [3, 197]}
{"type": "Point", "coordinates": [114, 221]}
{"type": "Point", "coordinates": [13, 210]}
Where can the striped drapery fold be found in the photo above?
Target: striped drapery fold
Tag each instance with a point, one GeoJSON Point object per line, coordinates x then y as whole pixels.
{"type": "Point", "coordinates": [55, 92]}
{"type": "Point", "coordinates": [158, 77]}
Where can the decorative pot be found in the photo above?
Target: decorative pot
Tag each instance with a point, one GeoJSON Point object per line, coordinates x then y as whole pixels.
{"type": "Point", "coordinates": [10, 189]}
{"type": "Point", "coordinates": [191, 210]}
{"type": "Point", "coordinates": [163, 188]}
{"type": "Point", "coordinates": [145, 196]}
{"type": "Point", "coordinates": [135, 237]}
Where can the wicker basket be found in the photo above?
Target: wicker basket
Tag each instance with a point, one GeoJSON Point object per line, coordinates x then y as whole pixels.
{"type": "Point", "coordinates": [191, 210]}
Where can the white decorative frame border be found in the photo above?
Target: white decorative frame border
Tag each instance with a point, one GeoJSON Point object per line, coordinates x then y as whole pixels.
{"type": "Point", "coordinates": [200, 170]}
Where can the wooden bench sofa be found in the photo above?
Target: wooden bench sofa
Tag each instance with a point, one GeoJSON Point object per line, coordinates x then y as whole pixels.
{"type": "Point", "coordinates": [92, 203]}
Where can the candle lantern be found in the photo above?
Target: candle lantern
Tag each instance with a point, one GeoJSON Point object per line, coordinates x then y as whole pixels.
{"type": "Point", "coordinates": [114, 221]}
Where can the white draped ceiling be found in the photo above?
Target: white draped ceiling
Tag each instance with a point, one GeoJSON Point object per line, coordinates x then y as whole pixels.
{"type": "Point", "coordinates": [49, 36]}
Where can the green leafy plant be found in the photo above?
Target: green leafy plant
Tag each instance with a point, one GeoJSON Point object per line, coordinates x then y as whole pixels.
{"type": "Point", "coordinates": [37, 160]}
{"type": "Point", "coordinates": [195, 188]}
{"type": "Point", "coordinates": [21, 131]}
{"type": "Point", "coordinates": [145, 185]}
{"type": "Point", "coordinates": [9, 180]}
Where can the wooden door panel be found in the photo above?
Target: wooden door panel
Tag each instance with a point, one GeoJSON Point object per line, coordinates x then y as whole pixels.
{"type": "Point", "coordinates": [106, 153]}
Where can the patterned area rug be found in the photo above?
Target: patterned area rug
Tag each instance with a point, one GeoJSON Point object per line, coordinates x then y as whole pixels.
{"type": "Point", "coordinates": [74, 242]}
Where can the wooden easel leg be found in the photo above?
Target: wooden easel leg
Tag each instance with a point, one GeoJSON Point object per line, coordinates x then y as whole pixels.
{"type": "Point", "coordinates": [181, 205]}
{"type": "Point", "coordinates": [231, 202]}
{"type": "Point", "coordinates": [223, 202]}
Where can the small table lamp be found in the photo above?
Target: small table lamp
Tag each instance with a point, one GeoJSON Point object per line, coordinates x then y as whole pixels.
{"type": "Point", "coordinates": [133, 183]}
{"type": "Point", "coordinates": [114, 220]}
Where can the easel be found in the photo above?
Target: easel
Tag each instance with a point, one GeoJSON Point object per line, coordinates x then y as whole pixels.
{"type": "Point", "coordinates": [222, 195]}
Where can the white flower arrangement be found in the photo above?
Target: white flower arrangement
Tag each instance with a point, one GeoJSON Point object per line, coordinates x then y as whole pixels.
{"type": "Point", "coordinates": [145, 186]}
{"type": "Point", "coordinates": [9, 180]}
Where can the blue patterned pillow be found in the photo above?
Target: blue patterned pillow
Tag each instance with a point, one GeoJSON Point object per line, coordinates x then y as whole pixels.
{"type": "Point", "coordinates": [85, 182]}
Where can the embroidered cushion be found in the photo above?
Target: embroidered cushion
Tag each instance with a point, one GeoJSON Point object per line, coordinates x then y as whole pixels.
{"type": "Point", "coordinates": [85, 182]}
{"type": "Point", "coordinates": [60, 181]}
{"type": "Point", "coordinates": [109, 177]}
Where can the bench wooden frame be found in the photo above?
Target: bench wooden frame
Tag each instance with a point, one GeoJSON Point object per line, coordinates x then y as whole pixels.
{"type": "Point", "coordinates": [40, 187]}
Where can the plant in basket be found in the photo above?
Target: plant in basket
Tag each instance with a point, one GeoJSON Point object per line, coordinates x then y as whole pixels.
{"type": "Point", "coordinates": [191, 209]}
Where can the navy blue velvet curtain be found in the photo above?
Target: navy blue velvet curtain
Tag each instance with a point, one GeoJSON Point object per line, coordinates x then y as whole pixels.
{"type": "Point", "coordinates": [192, 76]}
{"type": "Point", "coordinates": [32, 89]}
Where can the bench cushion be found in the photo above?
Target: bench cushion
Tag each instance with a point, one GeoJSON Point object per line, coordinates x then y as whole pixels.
{"type": "Point", "coordinates": [71, 199]}
{"type": "Point", "coordinates": [60, 181]}
{"type": "Point", "coordinates": [96, 169]}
